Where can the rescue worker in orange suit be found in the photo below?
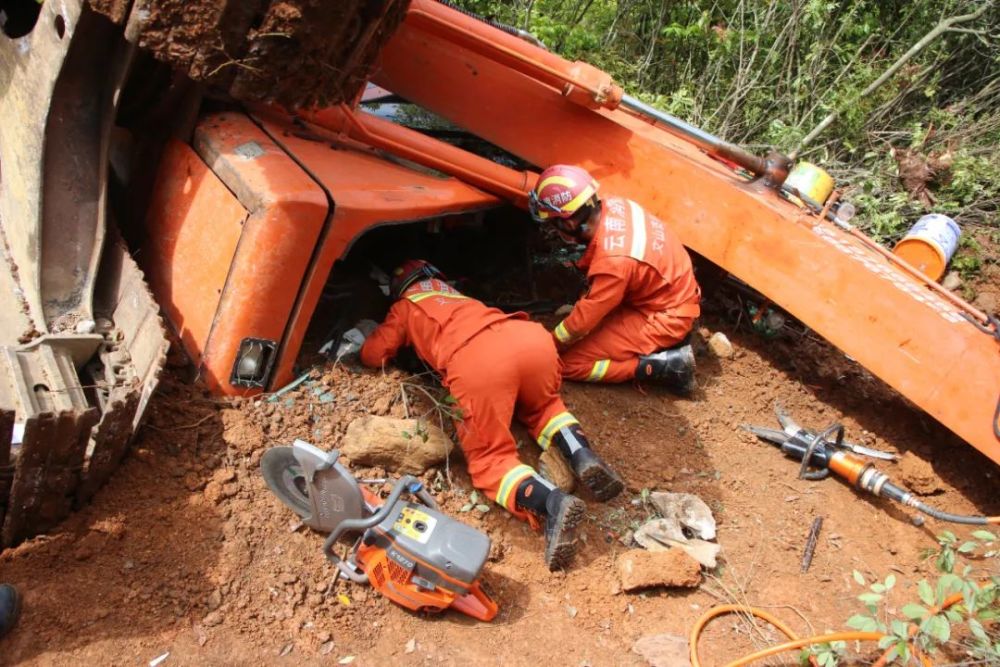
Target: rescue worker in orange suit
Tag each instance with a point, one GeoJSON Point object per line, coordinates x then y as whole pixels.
{"type": "Point", "coordinates": [642, 298]}
{"type": "Point", "coordinates": [495, 364]}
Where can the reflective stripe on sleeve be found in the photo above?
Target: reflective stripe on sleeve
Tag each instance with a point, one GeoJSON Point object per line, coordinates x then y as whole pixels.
{"type": "Point", "coordinates": [562, 334]}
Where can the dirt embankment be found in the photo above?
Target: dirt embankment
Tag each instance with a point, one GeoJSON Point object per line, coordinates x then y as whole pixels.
{"type": "Point", "coordinates": [187, 552]}
{"type": "Point", "coordinates": [294, 52]}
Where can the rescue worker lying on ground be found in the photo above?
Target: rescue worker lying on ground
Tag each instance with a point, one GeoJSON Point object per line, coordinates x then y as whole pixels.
{"type": "Point", "coordinates": [642, 298]}
{"type": "Point", "coordinates": [493, 364]}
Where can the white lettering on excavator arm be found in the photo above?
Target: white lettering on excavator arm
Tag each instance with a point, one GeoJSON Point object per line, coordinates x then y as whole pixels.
{"type": "Point", "coordinates": [900, 280]}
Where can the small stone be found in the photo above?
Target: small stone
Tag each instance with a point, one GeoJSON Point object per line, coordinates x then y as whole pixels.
{"type": "Point", "coordinates": [193, 482]}
{"type": "Point", "coordinates": [663, 650]}
{"type": "Point", "coordinates": [720, 346]}
{"type": "Point", "coordinates": [286, 650]}
{"type": "Point", "coordinates": [639, 569]}
{"type": "Point", "coordinates": [411, 645]}
{"type": "Point", "coordinates": [288, 578]}
{"type": "Point", "coordinates": [326, 648]}
{"type": "Point", "coordinates": [214, 600]}
{"type": "Point", "coordinates": [952, 281]}
{"type": "Point", "coordinates": [213, 492]}
{"type": "Point", "coordinates": [212, 619]}
{"type": "Point", "coordinates": [224, 475]}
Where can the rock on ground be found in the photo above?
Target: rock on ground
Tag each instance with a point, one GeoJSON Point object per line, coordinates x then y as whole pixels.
{"type": "Point", "coordinates": [664, 534]}
{"type": "Point", "coordinates": [553, 466]}
{"type": "Point", "coordinates": [401, 445]}
{"type": "Point", "coordinates": [720, 346]}
{"type": "Point", "coordinates": [639, 569]}
{"type": "Point", "coordinates": [687, 509]}
{"type": "Point", "coordinates": [952, 281]}
{"type": "Point", "coordinates": [663, 650]}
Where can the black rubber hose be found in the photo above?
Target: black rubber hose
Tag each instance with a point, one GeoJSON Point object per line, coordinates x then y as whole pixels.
{"type": "Point", "coordinates": [953, 518]}
{"type": "Point", "coordinates": [900, 495]}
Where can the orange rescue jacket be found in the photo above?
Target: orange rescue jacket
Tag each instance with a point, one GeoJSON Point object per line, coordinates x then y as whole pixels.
{"type": "Point", "coordinates": [433, 317]}
{"type": "Point", "coordinates": [633, 259]}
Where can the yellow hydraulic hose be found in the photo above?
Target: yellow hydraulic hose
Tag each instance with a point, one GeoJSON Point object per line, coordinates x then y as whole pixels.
{"type": "Point", "coordinates": [794, 641]}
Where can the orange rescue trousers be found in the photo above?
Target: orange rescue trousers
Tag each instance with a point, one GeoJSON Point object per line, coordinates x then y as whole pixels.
{"type": "Point", "coordinates": [510, 367]}
{"type": "Point", "coordinates": [610, 353]}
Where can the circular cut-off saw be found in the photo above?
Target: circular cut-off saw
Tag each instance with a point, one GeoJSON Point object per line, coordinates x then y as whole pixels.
{"type": "Point", "coordinates": [409, 551]}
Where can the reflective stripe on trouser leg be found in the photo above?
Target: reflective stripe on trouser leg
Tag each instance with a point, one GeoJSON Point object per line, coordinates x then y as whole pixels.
{"type": "Point", "coordinates": [599, 370]}
{"type": "Point", "coordinates": [561, 420]}
{"type": "Point", "coordinates": [509, 483]}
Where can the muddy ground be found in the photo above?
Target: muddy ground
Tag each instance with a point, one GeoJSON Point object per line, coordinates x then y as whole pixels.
{"type": "Point", "coordinates": [186, 551]}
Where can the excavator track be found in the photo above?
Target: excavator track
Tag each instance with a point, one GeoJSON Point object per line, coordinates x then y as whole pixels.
{"type": "Point", "coordinates": [71, 413]}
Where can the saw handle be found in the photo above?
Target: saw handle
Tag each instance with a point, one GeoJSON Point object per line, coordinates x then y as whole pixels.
{"type": "Point", "coordinates": [406, 484]}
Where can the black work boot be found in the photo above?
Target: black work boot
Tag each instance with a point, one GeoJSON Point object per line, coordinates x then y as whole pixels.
{"type": "Point", "coordinates": [562, 514]}
{"type": "Point", "coordinates": [10, 608]}
{"type": "Point", "coordinates": [588, 467]}
{"type": "Point", "coordinates": [674, 368]}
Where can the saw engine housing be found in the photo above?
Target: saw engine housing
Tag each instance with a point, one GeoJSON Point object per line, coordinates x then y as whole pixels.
{"type": "Point", "coordinates": [408, 550]}
{"type": "Point", "coordinates": [426, 561]}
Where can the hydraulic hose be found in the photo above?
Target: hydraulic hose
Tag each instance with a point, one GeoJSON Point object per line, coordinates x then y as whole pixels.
{"type": "Point", "coordinates": [509, 29]}
{"type": "Point", "coordinates": [877, 483]}
{"type": "Point", "coordinates": [794, 641]}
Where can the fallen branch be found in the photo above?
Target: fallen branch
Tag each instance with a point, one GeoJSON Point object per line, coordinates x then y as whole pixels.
{"type": "Point", "coordinates": [944, 26]}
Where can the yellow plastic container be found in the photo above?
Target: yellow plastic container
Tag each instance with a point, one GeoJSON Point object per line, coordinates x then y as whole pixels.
{"type": "Point", "coordinates": [813, 184]}
{"type": "Point", "coordinates": [930, 244]}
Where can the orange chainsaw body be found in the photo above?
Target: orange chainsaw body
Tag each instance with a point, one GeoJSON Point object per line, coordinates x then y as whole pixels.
{"type": "Point", "coordinates": [396, 583]}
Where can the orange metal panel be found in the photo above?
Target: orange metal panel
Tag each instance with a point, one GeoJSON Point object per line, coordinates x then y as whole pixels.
{"type": "Point", "coordinates": [368, 190]}
{"type": "Point", "coordinates": [909, 336]}
{"type": "Point", "coordinates": [193, 226]}
{"type": "Point", "coordinates": [287, 214]}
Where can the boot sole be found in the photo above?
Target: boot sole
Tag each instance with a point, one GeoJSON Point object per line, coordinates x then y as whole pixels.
{"type": "Point", "coordinates": [603, 483]}
{"type": "Point", "coordinates": [563, 547]}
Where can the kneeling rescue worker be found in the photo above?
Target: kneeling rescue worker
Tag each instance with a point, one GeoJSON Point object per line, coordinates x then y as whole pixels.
{"type": "Point", "coordinates": [493, 364]}
{"type": "Point", "coordinates": [642, 299]}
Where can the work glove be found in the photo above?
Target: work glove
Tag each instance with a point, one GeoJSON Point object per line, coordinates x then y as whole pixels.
{"type": "Point", "coordinates": [352, 340]}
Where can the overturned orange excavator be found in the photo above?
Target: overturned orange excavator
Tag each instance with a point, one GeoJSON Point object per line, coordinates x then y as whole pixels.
{"type": "Point", "coordinates": [226, 149]}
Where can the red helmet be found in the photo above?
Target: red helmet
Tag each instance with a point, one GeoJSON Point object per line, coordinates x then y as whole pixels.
{"type": "Point", "coordinates": [409, 272]}
{"type": "Point", "coordinates": [561, 191]}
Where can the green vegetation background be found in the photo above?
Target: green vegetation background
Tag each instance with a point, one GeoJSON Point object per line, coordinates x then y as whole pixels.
{"type": "Point", "coordinates": [765, 73]}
